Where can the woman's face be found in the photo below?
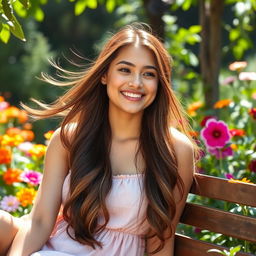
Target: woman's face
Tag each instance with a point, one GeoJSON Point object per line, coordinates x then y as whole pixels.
{"type": "Point", "coordinates": [131, 80]}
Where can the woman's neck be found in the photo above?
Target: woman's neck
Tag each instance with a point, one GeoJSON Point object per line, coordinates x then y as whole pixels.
{"type": "Point", "coordinates": [124, 126]}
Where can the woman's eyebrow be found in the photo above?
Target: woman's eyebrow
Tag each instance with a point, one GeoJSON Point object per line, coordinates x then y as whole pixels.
{"type": "Point", "coordinates": [132, 65]}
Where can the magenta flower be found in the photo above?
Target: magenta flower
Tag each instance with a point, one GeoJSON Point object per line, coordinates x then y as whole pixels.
{"type": "Point", "coordinates": [9, 203]}
{"type": "Point", "coordinates": [229, 176]}
{"type": "Point", "coordinates": [221, 153]}
{"type": "Point", "coordinates": [215, 134]}
{"type": "Point", "coordinates": [31, 177]}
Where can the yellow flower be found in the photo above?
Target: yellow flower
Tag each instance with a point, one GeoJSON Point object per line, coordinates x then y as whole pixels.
{"type": "Point", "coordinates": [233, 146]}
{"type": "Point", "coordinates": [48, 134]}
{"type": "Point", "coordinates": [26, 196]}
{"type": "Point", "coordinates": [193, 107]}
{"type": "Point", "coordinates": [222, 103]}
{"type": "Point", "coordinates": [11, 141]}
{"type": "Point", "coordinates": [237, 66]}
{"type": "Point", "coordinates": [38, 150]}
{"type": "Point", "coordinates": [243, 180]}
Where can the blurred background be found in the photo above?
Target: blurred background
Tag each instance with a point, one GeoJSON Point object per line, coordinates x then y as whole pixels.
{"type": "Point", "coordinates": [203, 37]}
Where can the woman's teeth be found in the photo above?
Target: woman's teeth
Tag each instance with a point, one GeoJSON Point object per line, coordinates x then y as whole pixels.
{"type": "Point", "coordinates": [133, 95]}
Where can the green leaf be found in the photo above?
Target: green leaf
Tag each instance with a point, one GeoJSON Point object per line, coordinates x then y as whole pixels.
{"type": "Point", "coordinates": [17, 30]}
{"type": "Point", "coordinates": [25, 3]}
{"type": "Point", "coordinates": [234, 34]}
{"type": "Point", "coordinates": [234, 250]}
{"type": "Point", "coordinates": [5, 34]}
{"type": "Point", "coordinates": [7, 8]}
{"type": "Point", "coordinates": [110, 5]}
{"type": "Point", "coordinates": [4, 20]}
{"type": "Point", "coordinates": [80, 6]}
{"type": "Point", "coordinates": [217, 251]}
{"type": "Point", "coordinates": [92, 4]}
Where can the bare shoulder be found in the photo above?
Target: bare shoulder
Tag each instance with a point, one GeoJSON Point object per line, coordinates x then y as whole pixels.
{"type": "Point", "coordinates": [182, 145]}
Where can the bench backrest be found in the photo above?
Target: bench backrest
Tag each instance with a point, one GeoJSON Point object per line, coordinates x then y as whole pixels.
{"type": "Point", "coordinates": [216, 220]}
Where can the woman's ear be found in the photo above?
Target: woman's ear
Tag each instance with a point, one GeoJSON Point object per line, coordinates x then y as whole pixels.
{"type": "Point", "coordinates": [104, 79]}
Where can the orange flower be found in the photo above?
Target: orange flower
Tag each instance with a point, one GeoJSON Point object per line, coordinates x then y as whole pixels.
{"type": "Point", "coordinates": [234, 146]}
{"type": "Point", "coordinates": [13, 131]}
{"type": "Point", "coordinates": [23, 116]}
{"type": "Point", "coordinates": [12, 175]}
{"type": "Point", "coordinates": [237, 66]}
{"type": "Point", "coordinates": [48, 134]}
{"type": "Point", "coordinates": [26, 196]}
{"type": "Point", "coordinates": [38, 150]}
{"type": "Point", "coordinates": [12, 141]}
{"type": "Point", "coordinates": [193, 107]}
{"type": "Point", "coordinates": [243, 180]}
{"type": "Point", "coordinates": [222, 103]}
{"type": "Point", "coordinates": [12, 112]}
{"type": "Point", "coordinates": [27, 135]}
{"type": "Point", "coordinates": [5, 156]}
{"type": "Point", "coordinates": [193, 133]}
{"type": "Point", "coordinates": [1, 99]}
{"type": "Point", "coordinates": [27, 126]}
{"type": "Point", "coordinates": [3, 117]}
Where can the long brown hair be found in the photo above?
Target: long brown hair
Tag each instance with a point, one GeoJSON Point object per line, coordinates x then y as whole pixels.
{"type": "Point", "coordinates": [86, 105]}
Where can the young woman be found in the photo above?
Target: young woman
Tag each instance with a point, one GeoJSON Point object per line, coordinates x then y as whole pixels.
{"type": "Point", "coordinates": [118, 170]}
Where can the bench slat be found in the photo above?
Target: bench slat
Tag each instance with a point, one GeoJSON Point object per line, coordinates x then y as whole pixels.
{"type": "Point", "coordinates": [218, 221]}
{"type": "Point", "coordinates": [222, 189]}
{"type": "Point", "coordinates": [186, 246]}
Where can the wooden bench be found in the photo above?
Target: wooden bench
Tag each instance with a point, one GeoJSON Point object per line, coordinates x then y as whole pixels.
{"type": "Point", "coordinates": [216, 220]}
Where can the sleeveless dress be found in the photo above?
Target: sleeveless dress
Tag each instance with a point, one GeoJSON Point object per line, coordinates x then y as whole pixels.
{"type": "Point", "coordinates": [126, 203]}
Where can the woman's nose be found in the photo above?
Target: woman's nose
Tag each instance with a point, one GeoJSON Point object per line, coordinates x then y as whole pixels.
{"type": "Point", "coordinates": [136, 81]}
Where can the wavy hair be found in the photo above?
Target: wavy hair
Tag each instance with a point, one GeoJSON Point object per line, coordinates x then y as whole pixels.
{"type": "Point", "coordinates": [86, 105]}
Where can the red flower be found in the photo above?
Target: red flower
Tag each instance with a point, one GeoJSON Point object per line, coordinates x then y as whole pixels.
{"type": "Point", "coordinates": [252, 113]}
{"type": "Point", "coordinates": [252, 166]}
{"type": "Point", "coordinates": [203, 122]}
{"type": "Point", "coordinates": [237, 132]}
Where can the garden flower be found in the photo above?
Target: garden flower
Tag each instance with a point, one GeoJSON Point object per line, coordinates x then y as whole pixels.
{"type": "Point", "coordinates": [25, 147]}
{"type": "Point", "coordinates": [11, 141]}
{"type": "Point", "coordinates": [5, 156]}
{"type": "Point", "coordinates": [254, 95]}
{"type": "Point", "coordinates": [215, 134]}
{"type": "Point", "coordinates": [237, 132]}
{"type": "Point", "coordinates": [229, 176]}
{"type": "Point", "coordinates": [221, 153]}
{"type": "Point", "coordinates": [243, 180]}
{"type": "Point", "coordinates": [48, 135]}
{"type": "Point", "coordinates": [247, 76]}
{"type": "Point", "coordinates": [206, 118]}
{"type": "Point", "coordinates": [4, 105]}
{"type": "Point", "coordinates": [31, 177]}
{"type": "Point", "coordinates": [229, 80]}
{"type": "Point", "coordinates": [3, 117]}
{"type": "Point", "coordinates": [12, 175]}
{"type": "Point", "coordinates": [9, 203]}
{"type": "Point", "coordinates": [13, 131]}
{"type": "Point", "coordinates": [27, 135]}
{"type": "Point", "coordinates": [237, 66]}
{"type": "Point", "coordinates": [252, 113]}
{"type": "Point", "coordinates": [233, 146]}
{"type": "Point", "coordinates": [222, 103]}
{"type": "Point", "coordinates": [12, 112]}
{"type": "Point", "coordinates": [193, 107]}
{"type": "Point", "coordinates": [26, 196]}
{"type": "Point", "coordinates": [38, 150]}
{"type": "Point", "coordinates": [252, 165]}
{"type": "Point", "coordinates": [23, 116]}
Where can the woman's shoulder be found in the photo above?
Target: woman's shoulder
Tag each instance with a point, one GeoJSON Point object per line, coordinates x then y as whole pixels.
{"type": "Point", "coordinates": [182, 144]}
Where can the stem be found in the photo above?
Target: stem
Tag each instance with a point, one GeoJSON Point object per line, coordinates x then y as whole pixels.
{"type": "Point", "coordinates": [220, 160]}
{"type": "Point", "coordinates": [245, 213]}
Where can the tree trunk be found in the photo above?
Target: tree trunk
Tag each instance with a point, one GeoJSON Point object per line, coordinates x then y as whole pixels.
{"type": "Point", "coordinates": [210, 48]}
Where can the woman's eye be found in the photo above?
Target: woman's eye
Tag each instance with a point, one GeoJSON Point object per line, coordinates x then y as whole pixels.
{"type": "Point", "coordinates": [124, 70]}
{"type": "Point", "coordinates": [150, 74]}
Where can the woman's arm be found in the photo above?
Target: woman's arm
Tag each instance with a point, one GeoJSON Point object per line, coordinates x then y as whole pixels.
{"type": "Point", "coordinates": [37, 228]}
{"type": "Point", "coordinates": [185, 158]}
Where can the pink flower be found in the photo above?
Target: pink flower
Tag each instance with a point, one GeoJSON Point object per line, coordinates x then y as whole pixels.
{"type": "Point", "coordinates": [31, 177]}
{"type": "Point", "coordinates": [247, 76]}
{"type": "Point", "coordinates": [4, 105]}
{"type": "Point", "coordinates": [237, 66]}
{"type": "Point", "coordinates": [229, 176]}
{"type": "Point", "coordinates": [221, 153]}
{"type": "Point", "coordinates": [9, 203]}
{"type": "Point", "coordinates": [215, 134]}
{"type": "Point", "coordinates": [229, 80]}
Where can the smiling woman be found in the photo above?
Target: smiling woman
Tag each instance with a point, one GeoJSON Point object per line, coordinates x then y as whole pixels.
{"type": "Point", "coordinates": [118, 170]}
